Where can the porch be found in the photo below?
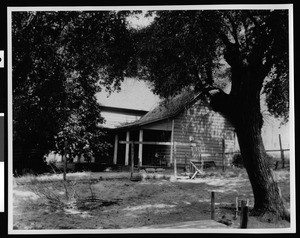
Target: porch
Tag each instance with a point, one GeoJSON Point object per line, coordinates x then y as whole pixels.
{"type": "Point", "coordinates": [151, 148]}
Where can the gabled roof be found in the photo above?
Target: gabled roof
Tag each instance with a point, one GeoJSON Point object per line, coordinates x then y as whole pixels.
{"type": "Point", "coordinates": [166, 109]}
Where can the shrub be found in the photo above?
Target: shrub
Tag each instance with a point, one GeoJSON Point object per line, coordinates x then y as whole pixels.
{"type": "Point", "coordinates": [63, 194]}
{"type": "Point", "coordinates": [237, 160]}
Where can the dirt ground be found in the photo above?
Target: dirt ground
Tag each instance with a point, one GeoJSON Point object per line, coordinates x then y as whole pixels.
{"type": "Point", "coordinates": [110, 200]}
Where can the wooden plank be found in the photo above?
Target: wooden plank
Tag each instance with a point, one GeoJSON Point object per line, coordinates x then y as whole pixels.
{"type": "Point", "coordinates": [196, 170]}
{"type": "Point", "coordinates": [146, 142]}
{"type": "Point", "coordinates": [277, 150]}
{"type": "Point", "coordinates": [157, 143]}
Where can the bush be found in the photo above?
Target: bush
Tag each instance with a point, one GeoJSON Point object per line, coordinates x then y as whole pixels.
{"type": "Point", "coordinates": [271, 160]}
{"type": "Point", "coordinates": [63, 194]}
{"type": "Point", "coordinates": [237, 160]}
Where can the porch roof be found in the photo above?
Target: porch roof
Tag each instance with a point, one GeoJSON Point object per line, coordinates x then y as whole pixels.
{"type": "Point", "coordinates": [166, 109]}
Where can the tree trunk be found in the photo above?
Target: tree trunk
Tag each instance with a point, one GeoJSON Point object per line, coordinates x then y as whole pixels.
{"type": "Point", "coordinates": [267, 196]}
{"type": "Point", "coordinates": [242, 108]}
{"type": "Point", "coordinates": [64, 157]}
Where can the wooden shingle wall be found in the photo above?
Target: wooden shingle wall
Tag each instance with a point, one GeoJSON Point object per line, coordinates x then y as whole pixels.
{"type": "Point", "coordinates": [205, 127]}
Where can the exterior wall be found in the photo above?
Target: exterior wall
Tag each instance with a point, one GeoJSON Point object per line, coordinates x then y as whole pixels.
{"type": "Point", "coordinates": [114, 119]}
{"type": "Point", "coordinates": [205, 127]}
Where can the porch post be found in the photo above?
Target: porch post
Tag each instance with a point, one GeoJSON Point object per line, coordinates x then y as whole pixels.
{"type": "Point", "coordinates": [172, 141]}
{"type": "Point", "coordinates": [141, 147]}
{"type": "Point", "coordinates": [127, 148]}
{"type": "Point", "coordinates": [116, 149]}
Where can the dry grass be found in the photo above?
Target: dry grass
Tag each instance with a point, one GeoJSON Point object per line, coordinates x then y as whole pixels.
{"type": "Point", "coordinates": [109, 200]}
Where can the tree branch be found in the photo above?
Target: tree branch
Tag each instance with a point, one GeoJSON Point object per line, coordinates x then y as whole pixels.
{"type": "Point", "coordinates": [231, 53]}
{"type": "Point", "coordinates": [234, 32]}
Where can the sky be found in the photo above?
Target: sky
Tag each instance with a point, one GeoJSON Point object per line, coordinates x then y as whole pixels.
{"type": "Point", "coordinates": [139, 20]}
{"type": "Point", "coordinates": [134, 94]}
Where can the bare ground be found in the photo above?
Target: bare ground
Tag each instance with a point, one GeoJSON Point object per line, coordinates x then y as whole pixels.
{"type": "Point", "coordinates": [109, 200]}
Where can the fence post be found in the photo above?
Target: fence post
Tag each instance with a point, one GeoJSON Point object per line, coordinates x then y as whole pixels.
{"type": "Point", "coordinates": [212, 206]}
{"type": "Point", "coordinates": [236, 208]}
{"type": "Point", "coordinates": [244, 215]}
{"type": "Point", "coordinates": [223, 154]}
{"type": "Point", "coordinates": [281, 152]}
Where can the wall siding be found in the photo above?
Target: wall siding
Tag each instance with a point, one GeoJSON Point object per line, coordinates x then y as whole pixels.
{"type": "Point", "coordinates": [114, 119]}
{"type": "Point", "coordinates": [207, 128]}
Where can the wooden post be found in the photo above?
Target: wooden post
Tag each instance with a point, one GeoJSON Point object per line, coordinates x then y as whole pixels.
{"type": "Point", "coordinates": [132, 158]}
{"type": "Point", "coordinates": [281, 152]}
{"type": "Point", "coordinates": [141, 135]}
{"type": "Point", "coordinates": [223, 154]}
{"type": "Point", "coordinates": [212, 206]}
{"type": "Point", "coordinates": [244, 215]}
{"type": "Point", "coordinates": [116, 149]}
{"type": "Point", "coordinates": [127, 148]}
{"type": "Point", "coordinates": [236, 208]}
{"type": "Point", "coordinates": [175, 164]}
{"type": "Point", "coordinates": [172, 143]}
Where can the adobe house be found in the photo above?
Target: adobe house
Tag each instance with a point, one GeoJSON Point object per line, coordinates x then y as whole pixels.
{"type": "Point", "coordinates": [187, 120]}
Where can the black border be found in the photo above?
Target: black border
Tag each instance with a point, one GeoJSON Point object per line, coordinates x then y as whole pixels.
{"type": "Point", "coordinates": [46, 3]}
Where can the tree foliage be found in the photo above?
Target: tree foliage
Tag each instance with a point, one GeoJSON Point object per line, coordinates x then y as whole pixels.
{"type": "Point", "coordinates": [60, 60]}
{"type": "Point", "coordinates": [198, 48]}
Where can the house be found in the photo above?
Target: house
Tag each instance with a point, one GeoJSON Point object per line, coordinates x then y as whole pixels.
{"type": "Point", "coordinates": [135, 114]}
{"type": "Point", "coordinates": [187, 121]}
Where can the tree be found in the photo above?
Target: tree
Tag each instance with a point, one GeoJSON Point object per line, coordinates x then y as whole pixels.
{"type": "Point", "coordinates": [189, 48]}
{"type": "Point", "coordinates": [60, 61]}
